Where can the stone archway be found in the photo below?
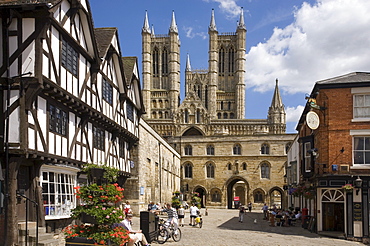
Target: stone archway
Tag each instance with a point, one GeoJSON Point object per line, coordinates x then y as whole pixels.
{"type": "Point", "coordinates": [276, 197]}
{"type": "Point", "coordinates": [237, 187]}
{"type": "Point", "coordinates": [202, 194]}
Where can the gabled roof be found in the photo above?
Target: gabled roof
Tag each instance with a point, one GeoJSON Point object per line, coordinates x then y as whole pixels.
{"type": "Point", "coordinates": [128, 67]}
{"type": "Point", "coordinates": [103, 38]}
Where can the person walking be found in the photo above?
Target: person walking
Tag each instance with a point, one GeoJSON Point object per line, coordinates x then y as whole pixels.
{"type": "Point", "coordinates": [241, 213]}
{"type": "Point", "coordinates": [265, 209]}
{"type": "Point", "coordinates": [193, 214]}
{"type": "Point", "coordinates": [181, 215]}
{"type": "Point", "coordinates": [250, 207]}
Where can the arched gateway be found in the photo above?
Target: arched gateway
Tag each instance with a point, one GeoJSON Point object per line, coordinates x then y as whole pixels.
{"type": "Point", "coordinates": [237, 189]}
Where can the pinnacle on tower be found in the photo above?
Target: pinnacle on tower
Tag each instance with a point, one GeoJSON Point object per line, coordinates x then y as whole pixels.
{"type": "Point", "coordinates": [146, 27]}
{"type": "Point", "coordinates": [188, 67]}
{"type": "Point", "coordinates": [241, 24]}
{"type": "Point", "coordinates": [276, 99]}
{"type": "Point", "coordinates": [212, 25]}
{"type": "Point", "coordinates": [153, 30]}
{"type": "Point", "coordinates": [173, 27]}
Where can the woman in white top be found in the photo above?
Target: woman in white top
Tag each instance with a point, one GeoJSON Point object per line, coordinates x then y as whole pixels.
{"type": "Point", "coordinates": [181, 215]}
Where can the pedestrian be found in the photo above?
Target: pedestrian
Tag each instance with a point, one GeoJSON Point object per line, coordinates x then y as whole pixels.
{"type": "Point", "coordinates": [265, 209]}
{"type": "Point", "coordinates": [250, 207]}
{"type": "Point", "coordinates": [193, 214]}
{"type": "Point", "coordinates": [127, 208]}
{"type": "Point", "coordinates": [241, 213]}
{"type": "Point", "coordinates": [150, 205]}
{"type": "Point", "coordinates": [181, 215]}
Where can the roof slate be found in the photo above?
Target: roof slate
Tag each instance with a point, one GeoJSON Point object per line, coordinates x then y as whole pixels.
{"type": "Point", "coordinates": [128, 67]}
{"type": "Point", "coordinates": [355, 77]}
{"type": "Point", "coordinates": [103, 38]}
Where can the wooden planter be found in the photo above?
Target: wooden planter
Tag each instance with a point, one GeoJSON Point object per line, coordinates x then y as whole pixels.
{"type": "Point", "coordinates": [79, 241]}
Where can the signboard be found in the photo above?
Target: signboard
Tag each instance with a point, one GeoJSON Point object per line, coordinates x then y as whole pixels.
{"type": "Point", "coordinates": [236, 198]}
{"type": "Point", "coordinates": [357, 211]}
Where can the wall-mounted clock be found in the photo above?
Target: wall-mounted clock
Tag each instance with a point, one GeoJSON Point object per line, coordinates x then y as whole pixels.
{"type": "Point", "coordinates": [313, 120]}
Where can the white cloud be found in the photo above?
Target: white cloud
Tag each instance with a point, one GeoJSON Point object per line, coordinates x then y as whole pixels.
{"type": "Point", "coordinates": [229, 7]}
{"type": "Point", "coordinates": [190, 34]}
{"type": "Point", "coordinates": [327, 39]}
{"type": "Point", "coordinates": [294, 113]}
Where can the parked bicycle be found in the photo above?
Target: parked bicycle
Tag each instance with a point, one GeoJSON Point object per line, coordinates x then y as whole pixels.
{"type": "Point", "coordinates": [165, 231]}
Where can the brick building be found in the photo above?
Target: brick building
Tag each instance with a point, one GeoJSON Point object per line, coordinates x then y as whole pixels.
{"type": "Point", "coordinates": [334, 151]}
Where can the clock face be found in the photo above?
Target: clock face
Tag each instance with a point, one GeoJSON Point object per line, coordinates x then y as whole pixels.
{"type": "Point", "coordinates": [312, 120]}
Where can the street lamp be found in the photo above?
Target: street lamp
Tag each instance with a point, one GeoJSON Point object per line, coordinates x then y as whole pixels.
{"type": "Point", "coordinates": [358, 184]}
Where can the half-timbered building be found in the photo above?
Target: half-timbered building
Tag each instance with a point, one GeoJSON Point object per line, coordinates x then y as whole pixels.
{"type": "Point", "coordinates": [65, 102]}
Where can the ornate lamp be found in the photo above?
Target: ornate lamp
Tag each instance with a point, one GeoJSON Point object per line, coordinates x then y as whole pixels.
{"type": "Point", "coordinates": [358, 184]}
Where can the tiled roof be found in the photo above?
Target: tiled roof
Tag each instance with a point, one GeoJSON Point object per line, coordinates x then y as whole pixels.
{"type": "Point", "coordinates": [355, 77]}
{"type": "Point", "coordinates": [103, 38]}
{"type": "Point", "coordinates": [23, 2]}
{"type": "Point", "coordinates": [128, 67]}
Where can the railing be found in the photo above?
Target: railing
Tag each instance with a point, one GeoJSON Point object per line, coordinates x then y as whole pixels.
{"type": "Point", "coordinates": [20, 196]}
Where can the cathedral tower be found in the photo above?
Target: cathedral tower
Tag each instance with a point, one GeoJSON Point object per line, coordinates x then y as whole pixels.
{"type": "Point", "coordinates": [161, 71]}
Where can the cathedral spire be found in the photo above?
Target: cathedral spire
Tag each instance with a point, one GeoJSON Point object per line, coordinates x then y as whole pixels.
{"type": "Point", "coordinates": [276, 99]}
{"type": "Point", "coordinates": [188, 66]}
{"type": "Point", "coordinates": [146, 27]}
{"type": "Point", "coordinates": [212, 25]}
{"type": "Point", "coordinates": [241, 24]}
{"type": "Point", "coordinates": [173, 27]}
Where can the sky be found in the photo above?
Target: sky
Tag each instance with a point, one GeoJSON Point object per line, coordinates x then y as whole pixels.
{"type": "Point", "coordinates": [297, 42]}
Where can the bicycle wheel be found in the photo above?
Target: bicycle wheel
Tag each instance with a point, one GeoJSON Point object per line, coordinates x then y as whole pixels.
{"type": "Point", "coordinates": [176, 235]}
{"type": "Point", "coordinates": [162, 236]}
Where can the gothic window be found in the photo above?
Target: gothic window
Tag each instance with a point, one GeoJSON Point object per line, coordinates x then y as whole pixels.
{"type": "Point", "coordinates": [210, 170]}
{"type": "Point", "coordinates": [219, 116]}
{"type": "Point", "coordinates": [199, 91]}
{"type": "Point", "coordinates": [188, 150]}
{"type": "Point", "coordinates": [229, 105]}
{"type": "Point", "coordinates": [156, 63]}
{"type": "Point", "coordinates": [231, 115]}
{"type": "Point", "coordinates": [188, 171]}
{"type": "Point", "coordinates": [221, 61]}
{"type": "Point", "coordinates": [69, 57]}
{"type": "Point", "coordinates": [160, 114]}
{"type": "Point", "coordinates": [244, 166]}
{"type": "Point", "coordinates": [107, 92]}
{"type": "Point", "coordinates": [166, 115]}
{"type": "Point", "coordinates": [265, 149]}
{"type": "Point", "coordinates": [154, 115]}
{"type": "Point", "coordinates": [206, 97]}
{"type": "Point", "coordinates": [229, 166]}
{"type": "Point", "coordinates": [231, 61]}
{"type": "Point", "coordinates": [186, 116]}
{"type": "Point", "coordinates": [216, 196]}
{"type": "Point", "coordinates": [222, 105]}
{"type": "Point", "coordinates": [165, 62]}
{"type": "Point", "coordinates": [98, 138]}
{"type": "Point", "coordinates": [265, 171]}
{"type": "Point", "coordinates": [57, 120]}
{"type": "Point", "coordinates": [225, 115]}
{"type": "Point", "coordinates": [210, 150]}
{"type": "Point", "coordinates": [198, 116]}
{"type": "Point", "coordinates": [154, 103]}
{"type": "Point", "coordinates": [237, 150]}
{"type": "Point", "coordinates": [258, 197]}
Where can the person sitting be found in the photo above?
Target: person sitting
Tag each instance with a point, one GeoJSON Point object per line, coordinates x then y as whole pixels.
{"type": "Point", "coordinates": [135, 236]}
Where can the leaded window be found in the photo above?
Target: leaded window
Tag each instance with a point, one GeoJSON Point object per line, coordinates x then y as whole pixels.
{"type": "Point", "coordinates": [188, 150]}
{"type": "Point", "coordinates": [58, 120]}
{"type": "Point", "coordinates": [98, 138]}
{"type": "Point", "coordinates": [107, 92]}
{"type": "Point", "coordinates": [210, 150]}
{"type": "Point", "coordinates": [69, 57]}
{"type": "Point", "coordinates": [265, 149]}
{"type": "Point", "coordinates": [237, 149]}
{"type": "Point", "coordinates": [188, 171]}
{"type": "Point", "coordinates": [130, 111]}
{"type": "Point", "coordinates": [265, 171]}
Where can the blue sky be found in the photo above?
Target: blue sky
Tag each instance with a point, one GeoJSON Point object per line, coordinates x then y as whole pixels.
{"type": "Point", "coordinates": [299, 42]}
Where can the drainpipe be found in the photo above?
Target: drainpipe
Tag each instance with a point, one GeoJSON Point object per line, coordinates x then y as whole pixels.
{"type": "Point", "coordinates": [160, 172]}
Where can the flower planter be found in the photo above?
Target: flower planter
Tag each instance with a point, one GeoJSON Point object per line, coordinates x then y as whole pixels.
{"type": "Point", "coordinates": [121, 180]}
{"type": "Point", "coordinates": [79, 241]}
{"type": "Point", "coordinates": [96, 175]}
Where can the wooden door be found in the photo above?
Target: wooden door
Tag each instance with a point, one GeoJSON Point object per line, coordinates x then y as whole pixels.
{"type": "Point", "coordinates": [333, 217]}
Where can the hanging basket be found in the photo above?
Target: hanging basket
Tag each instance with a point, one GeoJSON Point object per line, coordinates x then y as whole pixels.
{"type": "Point", "coordinates": [86, 218]}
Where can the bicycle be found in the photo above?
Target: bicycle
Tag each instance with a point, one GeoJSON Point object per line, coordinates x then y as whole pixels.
{"type": "Point", "coordinates": [198, 221]}
{"type": "Point", "coordinates": [165, 231]}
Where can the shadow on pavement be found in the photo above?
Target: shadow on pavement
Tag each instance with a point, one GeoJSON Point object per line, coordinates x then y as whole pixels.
{"type": "Point", "coordinates": [264, 226]}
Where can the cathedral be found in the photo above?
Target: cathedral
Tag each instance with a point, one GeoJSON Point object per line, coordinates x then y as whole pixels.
{"type": "Point", "coordinates": [225, 158]}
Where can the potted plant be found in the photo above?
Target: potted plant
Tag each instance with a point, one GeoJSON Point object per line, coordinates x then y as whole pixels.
{"type": "Point", "coordinates": [99, 207]}
{"type": "Point", "coordinates": [347, 188]}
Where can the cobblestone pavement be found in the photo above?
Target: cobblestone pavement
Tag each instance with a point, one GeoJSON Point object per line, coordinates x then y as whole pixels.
{"type": "Point", "coordinates": [221, 228]}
